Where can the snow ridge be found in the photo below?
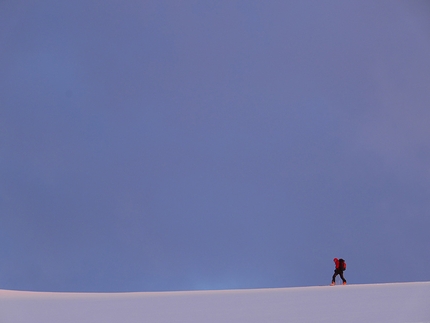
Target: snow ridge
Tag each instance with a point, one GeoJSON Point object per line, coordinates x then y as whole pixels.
{"type": "Point", "coordinates": [397, 302]}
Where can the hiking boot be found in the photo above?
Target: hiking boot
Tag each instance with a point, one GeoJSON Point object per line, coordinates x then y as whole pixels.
{"type": "Point", "coordinates": [344, 283]}
{"type": "Point", "coordinates": [332, 284]}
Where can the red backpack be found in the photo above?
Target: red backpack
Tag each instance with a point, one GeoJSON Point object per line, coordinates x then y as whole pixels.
{"type": "Point", "coordinates": [342, 264]}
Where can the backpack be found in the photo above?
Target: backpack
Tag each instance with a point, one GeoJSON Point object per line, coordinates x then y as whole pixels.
{"type": "Point", "coordinates": [342, 264]}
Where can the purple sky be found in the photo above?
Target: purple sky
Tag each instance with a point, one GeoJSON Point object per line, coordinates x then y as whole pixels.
{"type": "Point", "coordinates": [176, 145]}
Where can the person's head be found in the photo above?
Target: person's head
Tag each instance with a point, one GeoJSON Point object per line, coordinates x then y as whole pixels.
{"type": "Point", "coordinates": [335, 259]}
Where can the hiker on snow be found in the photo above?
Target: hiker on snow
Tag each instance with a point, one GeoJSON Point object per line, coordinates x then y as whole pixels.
{"type": "Point", "coordinates": [340, 267]}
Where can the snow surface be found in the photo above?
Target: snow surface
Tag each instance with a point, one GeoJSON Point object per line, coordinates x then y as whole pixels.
{"type": "Point", "coordinates": [400, 302]}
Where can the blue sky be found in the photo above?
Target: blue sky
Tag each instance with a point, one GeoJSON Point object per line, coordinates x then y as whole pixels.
{"type": "Point", "coordinates": [165, 145]}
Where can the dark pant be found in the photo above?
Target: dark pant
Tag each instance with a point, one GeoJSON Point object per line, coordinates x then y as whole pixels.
{"type": "Point", "coordinates": [340, 273]}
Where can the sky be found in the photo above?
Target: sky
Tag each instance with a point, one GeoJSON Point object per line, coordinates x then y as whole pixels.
{"type": "Point", "coordinates": [183, 145]}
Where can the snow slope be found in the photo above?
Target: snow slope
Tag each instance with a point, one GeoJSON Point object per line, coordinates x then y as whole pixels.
{"type": "Point", "coordinates": [400, 302]}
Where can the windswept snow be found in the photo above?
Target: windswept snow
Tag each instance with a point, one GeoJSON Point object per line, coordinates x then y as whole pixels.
{"type": "Point", "coordinates": [400, 302]}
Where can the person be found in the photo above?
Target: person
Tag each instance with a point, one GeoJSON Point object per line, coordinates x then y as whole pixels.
{"type": "Point", "coordinates": [340, 268]}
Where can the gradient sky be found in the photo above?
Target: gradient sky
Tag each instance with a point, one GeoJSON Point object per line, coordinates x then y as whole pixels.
{"type": "Point", "coordinates": [177, 145]}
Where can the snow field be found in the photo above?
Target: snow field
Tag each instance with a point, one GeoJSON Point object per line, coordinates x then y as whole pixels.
{"type": "Point", "coordinates": [399, 302]}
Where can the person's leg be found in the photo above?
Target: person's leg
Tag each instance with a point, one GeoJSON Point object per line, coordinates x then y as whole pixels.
{"type": "Point", "coordinates": [343, 278]}
{"type": "Point", "coordinates": [333, 279]}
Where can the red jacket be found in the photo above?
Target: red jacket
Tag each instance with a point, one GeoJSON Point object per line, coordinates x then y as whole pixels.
{"type": "Point", "coordinates": [336, 262]}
